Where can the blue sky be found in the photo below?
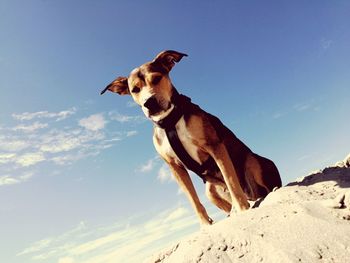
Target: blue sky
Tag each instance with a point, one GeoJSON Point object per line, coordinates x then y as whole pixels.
{"type": "Point", "coordinates": [80, 180]}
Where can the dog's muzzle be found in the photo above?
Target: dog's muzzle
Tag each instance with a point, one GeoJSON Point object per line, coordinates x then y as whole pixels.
{"type": "Point", "coordinates": [152, 105]}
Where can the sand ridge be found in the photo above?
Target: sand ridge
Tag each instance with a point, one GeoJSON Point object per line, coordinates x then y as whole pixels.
{"type": "Point", "coordinates": [307, 220]}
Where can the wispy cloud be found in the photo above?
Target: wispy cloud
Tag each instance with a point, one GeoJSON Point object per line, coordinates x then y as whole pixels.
{"type": "Point", "coordinates": [131, 133]}
{"type": "Point", "coordinates": [94, 122]}
{"type": "Point", "coordinates": [149, 165]}
{"type": "Point", "coordinates": [64, 143]}
{"type": "Point", "coordinates": [29, 159]}
{"type": "Point", "coordinates": [164, 174]}
{"type": "Point", "coordinates": [56, 141]}
{"type": "Point", "coordinates": [277, 115]}
{"type": "Point", "coordinates": [302, 106]}
{"type": "Point", "coordinates": [12, 143]}
{"type": "Point", "coordinates": [157, 165]}
{"type": "Point", "coordinates": [30, 128]}
{"type": "Point", "coordinates": [131, 241]}
{"type": "Point", "coordinates": [61, 115]}
{"type": "Point", "coordinates": [122, 118]}
{"type": "Point", "coordinates": [7, 157]}
{"type": "Point", "coordinates": [9, 180]}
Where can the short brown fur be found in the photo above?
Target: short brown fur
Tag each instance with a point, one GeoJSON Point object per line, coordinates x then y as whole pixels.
{"type": "Point", "coordinates": [242, 174]}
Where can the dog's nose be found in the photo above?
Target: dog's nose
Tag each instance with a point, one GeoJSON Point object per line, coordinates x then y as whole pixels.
{"type": "Point", "coordinates": [152, 104]}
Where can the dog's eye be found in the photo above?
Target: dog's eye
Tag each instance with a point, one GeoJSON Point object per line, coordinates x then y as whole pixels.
{"type": "Point", "coordinates": [135, 90]}
{"type": "Point", "coordinates": [156, 80]}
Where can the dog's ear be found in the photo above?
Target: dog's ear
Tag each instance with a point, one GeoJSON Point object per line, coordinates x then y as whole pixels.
{"type": "Point", "coordinates": [120, 86]}
{"type": "Point", "coordinates": [167, 59]}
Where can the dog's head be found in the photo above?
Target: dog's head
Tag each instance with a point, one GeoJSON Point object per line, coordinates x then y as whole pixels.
{"type": "Point", "coordinates": [150, 85]}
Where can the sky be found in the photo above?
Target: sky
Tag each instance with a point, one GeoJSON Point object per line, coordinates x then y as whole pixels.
{"type": "Point", "coordinates": [80, 180]}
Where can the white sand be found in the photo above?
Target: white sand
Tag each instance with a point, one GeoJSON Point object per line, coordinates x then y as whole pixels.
{"type": "Point", "coordinates": [305, 221]}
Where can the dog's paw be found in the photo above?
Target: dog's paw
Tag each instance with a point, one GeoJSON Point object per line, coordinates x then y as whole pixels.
{"type": "Point", "coordinates": [275, 189]}
{"type": "Point", "coordinates": [232, 213]}
{"type": "Point", "coordinates": [207, 222]}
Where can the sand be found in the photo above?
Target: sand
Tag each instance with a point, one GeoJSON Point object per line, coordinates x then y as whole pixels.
{"type": "Point", "coordinates": [305, 221]}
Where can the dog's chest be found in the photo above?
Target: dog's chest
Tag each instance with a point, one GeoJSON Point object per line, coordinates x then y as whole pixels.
{"type": "Point", "coordinates": [186, 139]}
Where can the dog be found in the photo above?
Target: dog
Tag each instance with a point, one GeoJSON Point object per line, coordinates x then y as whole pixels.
{"type": "Point", "coordinates": [188, 138]}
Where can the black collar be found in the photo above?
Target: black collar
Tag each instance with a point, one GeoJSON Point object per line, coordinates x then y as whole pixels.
{"type": "Point", "coordinates": [182, 105]}
{"type": "Point", "coordinates": [180, 102]}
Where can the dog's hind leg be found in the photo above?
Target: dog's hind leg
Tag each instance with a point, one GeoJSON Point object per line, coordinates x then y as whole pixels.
{"type": "Point", "coordinates": [254, 175]}
{"type": "Point", "coordinates": [270, 175]}
{"type": "Point", "coordinates": [265, 173]}
{"type": "Point", "coordinates": [219, 195]}
{"type": "Point", "coordinates": [223, 161]}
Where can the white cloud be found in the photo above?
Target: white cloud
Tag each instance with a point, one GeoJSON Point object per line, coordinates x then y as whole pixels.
{"type": "Point", "coordinates": [9, 180]}
{"type": "Point", "coordinates": [94, 122]}
{"type": "Point", "coordinates": [102, 241]}
{"type": "Point", "coordinates": [178, 213]}
{"type": "Point", "coordinates": [29, 159]}
{"type": "Point", "coordinates": [30, 128]}
{"type": "Point", "coordinates": [126, 118]}
{"type": "Point", "coordinates": [131, 133]}
{"type": "Point", "coordinates": [115, 139]}
{"type": "Point", "coordinates": [60, 141]}
{"type": "Point", "coordinates": [44, 114]}
{"type": "Point", "coordinates": [57, 141]}
{"type": "Point", "coordinates": [164, 174]}
{"type": "Point", "coordinates": [71, 158]}
{"type": "Point", "coordinates": [65, 159]}
{"type": "Point", "coordinates": [26, 176]}
{"type": "Point", "coordinates": [11, 144]}
{"type": "Point", "coordinates": [27, 144]}
{"type": "Point", "coordinates": [148, 166]}
{"type": "Point", "coordinates": [153, 164]}
{"type": "Point", "coordinates": [302, 107]}
{"type": "Point", "coordinates": [120, 118]}
{"type": "Point", "coordinates": [7, 157]}
{"type": "Point", "coordinates": [65, 114]}
{"type": "Point", "coordinates": [61, 146]}
{"type": "Point", "coordinates": [37, 246]}
{"type": "Point", "coordinates": [129, 242]}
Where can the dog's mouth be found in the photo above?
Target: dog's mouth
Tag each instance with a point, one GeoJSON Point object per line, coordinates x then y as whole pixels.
{"type": "Point", "coordinates": [153, 106]}
{"type": "Point", "coordinates": [156, 108]}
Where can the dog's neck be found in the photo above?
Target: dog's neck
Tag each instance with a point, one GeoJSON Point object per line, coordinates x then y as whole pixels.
{"type": "Point", "coordinates": [176, 111]}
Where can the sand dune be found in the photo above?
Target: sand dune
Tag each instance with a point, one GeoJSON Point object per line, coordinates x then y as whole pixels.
{"type": "Point", "coordinates": [305, 221]}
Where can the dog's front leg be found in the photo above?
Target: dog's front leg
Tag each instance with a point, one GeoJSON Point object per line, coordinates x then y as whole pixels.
{"type": "Point", "coordinates": [183, 179]}
{"type": "Point", "coordinates": [223, 160]}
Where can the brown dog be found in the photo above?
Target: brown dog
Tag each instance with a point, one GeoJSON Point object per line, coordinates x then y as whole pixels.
{"type": "Point", "coordinates": [187, 137]}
